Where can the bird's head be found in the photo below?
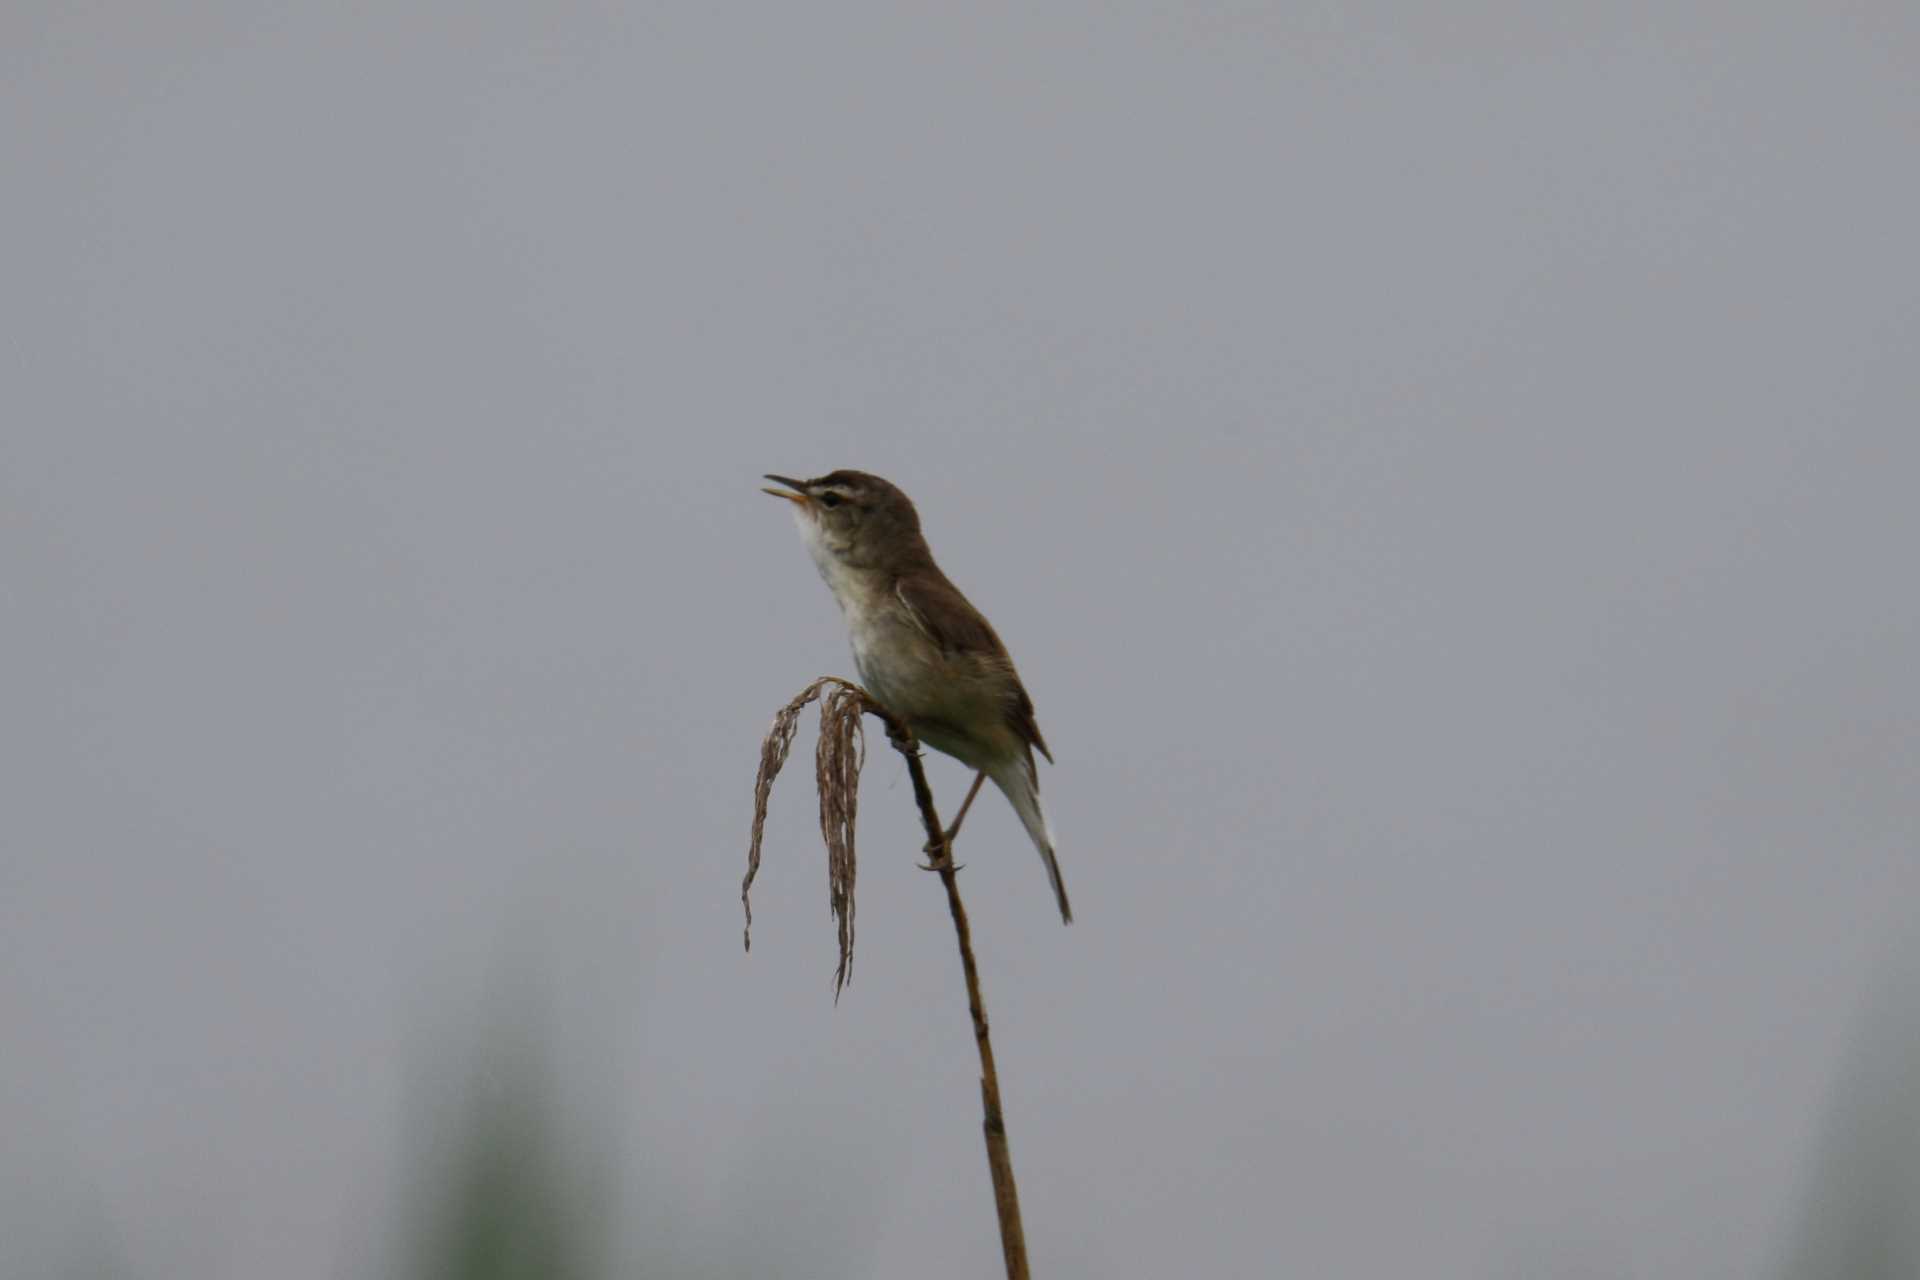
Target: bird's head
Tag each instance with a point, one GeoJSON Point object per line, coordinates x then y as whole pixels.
{"type": "Point", "coordinates": [858, 521]}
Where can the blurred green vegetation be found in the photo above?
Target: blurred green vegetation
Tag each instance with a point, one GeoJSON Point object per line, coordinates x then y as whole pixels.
{"type": "Point", "coordinates": [500, 1185]}
{"type": "Point", "coordinates": [1859, 1210]}
{"type": "Point", "coordinates": [507, 1205]}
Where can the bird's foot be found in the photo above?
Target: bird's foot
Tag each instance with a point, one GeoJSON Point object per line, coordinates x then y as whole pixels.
{"type": "Point", "coordinates": [940, 856]}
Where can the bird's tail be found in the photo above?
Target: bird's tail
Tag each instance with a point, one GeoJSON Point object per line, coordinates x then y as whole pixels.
{"type": "Point", "coordinates": [1018, 781]}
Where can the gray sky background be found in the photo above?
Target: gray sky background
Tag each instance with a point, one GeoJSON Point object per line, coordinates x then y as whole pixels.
{"type": "Point", "coordinates": [1447, 477]}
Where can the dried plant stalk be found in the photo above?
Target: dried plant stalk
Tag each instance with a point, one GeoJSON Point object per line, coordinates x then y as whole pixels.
{"type": "Point", "coordinates": [993, 1125]}
{"type": "Point", "coordinates": [837, 762]}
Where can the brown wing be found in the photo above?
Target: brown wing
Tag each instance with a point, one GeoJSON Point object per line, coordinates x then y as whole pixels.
{"type": "Point", "coordinates": [951, 622]}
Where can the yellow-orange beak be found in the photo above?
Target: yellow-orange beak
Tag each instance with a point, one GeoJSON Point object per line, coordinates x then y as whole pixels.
{"type": "Point", "coordinates": [800, 498]}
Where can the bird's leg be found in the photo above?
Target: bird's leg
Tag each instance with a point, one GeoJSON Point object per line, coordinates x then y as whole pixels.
{"type": "Point", "coordinates": [944, 850]}
{"type": "Point", "coordinates": [966, 804]}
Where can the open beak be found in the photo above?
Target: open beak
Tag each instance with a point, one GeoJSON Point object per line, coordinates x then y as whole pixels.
{"type": "Point", "coordinates": [800, 497]}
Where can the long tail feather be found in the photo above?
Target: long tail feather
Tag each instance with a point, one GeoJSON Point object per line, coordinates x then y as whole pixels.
{"type": "Point", "coordinates": [1022, 789]}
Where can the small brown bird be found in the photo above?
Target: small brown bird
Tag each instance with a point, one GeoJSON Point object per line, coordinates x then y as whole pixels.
{"type": "Point", "coordinates": [921, 648]}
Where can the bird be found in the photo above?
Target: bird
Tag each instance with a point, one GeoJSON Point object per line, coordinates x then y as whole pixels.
{"type": "Point", "coordinates": [921, 647]}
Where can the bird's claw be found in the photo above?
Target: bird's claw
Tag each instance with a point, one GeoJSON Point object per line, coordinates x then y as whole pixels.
{"type": "Point", "coordinates": [940, 857]}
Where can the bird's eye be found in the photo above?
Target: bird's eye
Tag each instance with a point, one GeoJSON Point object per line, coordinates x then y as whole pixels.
{"type": "Point", "coordinates": [829, 500]}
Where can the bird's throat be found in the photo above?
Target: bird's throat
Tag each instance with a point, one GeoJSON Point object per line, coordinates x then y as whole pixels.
{"type": "Point", "coordinates": [856, 588]}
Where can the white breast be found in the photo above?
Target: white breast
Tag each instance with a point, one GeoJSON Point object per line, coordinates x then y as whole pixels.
{"type": "Point", "coordinates": [885, 665]}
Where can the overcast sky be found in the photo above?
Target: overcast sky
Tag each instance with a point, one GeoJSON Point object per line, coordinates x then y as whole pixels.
{"type": "Point", "coordinates": [1446, 474]}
